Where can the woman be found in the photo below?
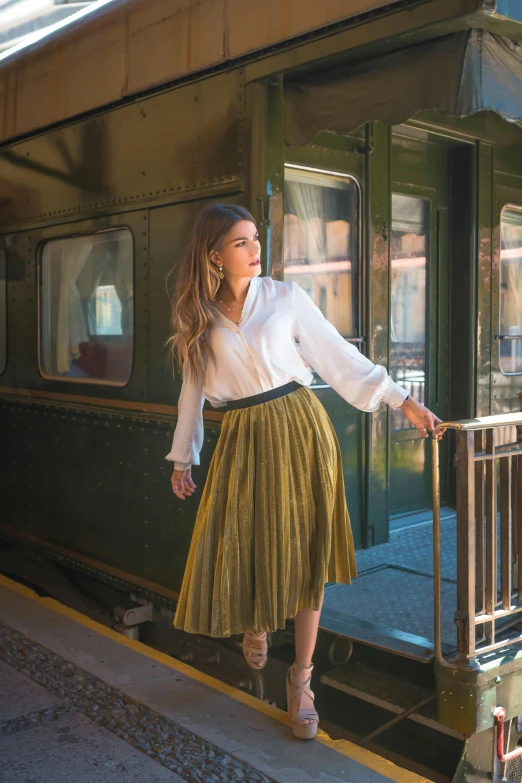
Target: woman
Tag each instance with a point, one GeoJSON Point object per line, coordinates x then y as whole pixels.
{"type": "Point", "coordinates": [272, 525]}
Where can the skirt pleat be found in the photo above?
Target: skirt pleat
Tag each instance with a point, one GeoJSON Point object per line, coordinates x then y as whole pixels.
{"type": "Point", "coordinates": [272, 524]}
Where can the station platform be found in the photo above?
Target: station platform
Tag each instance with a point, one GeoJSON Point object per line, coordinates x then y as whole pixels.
{"type": "Point", "coordinates": [81, 703]}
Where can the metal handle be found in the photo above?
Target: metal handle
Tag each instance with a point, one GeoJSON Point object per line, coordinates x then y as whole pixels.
{"type": "Point", "coordinates": [500, 716]}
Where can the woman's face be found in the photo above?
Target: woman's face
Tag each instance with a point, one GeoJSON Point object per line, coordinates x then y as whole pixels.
{"type": "Point", "coordinates": [239, 255]}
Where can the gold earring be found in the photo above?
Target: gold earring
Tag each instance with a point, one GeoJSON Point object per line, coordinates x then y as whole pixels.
{"type": "Point", "coordinates": [220, 273]}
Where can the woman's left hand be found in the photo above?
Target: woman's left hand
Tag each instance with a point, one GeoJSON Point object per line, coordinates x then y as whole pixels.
{"type": "Point", "coordinates": [422, 418]}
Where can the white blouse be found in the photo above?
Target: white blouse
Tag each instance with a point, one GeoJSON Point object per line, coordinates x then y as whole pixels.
{"type": "Point", "coordinates": [261, 354]}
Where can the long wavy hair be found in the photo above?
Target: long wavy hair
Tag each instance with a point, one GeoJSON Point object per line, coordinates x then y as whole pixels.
{"type": "Point", "coordinates": [196, 285]}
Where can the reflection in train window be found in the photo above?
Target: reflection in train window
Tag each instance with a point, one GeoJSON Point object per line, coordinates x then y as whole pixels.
{"type": "Point", "coordinates": [3, 311]}
{"type": "Point", "coordinates": [409, 254]}
{"type": "Point", "coordinates": [511, 291]}
{"type": "Point", "coordinates": [321, 242]}
{"type": "Point", "coordinates": [108, 310]}
{"type": "Point", "coordinates": [87, 310]}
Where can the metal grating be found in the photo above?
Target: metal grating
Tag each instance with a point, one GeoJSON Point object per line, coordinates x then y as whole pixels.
{"type": "Point", "coordinates": [396, 598]}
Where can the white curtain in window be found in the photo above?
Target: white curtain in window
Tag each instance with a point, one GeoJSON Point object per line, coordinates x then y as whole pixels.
{"type": "Point", "coordinates": [124, 284]}
{"type": "Point", "coordinates": [408, 268]}
{"type": "Point", "coordinates": [72, 329]}
{"type": "Point", "coordinates": [308, 202]}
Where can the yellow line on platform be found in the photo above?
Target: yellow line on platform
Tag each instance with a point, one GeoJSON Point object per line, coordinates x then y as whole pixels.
{"type": "Point", "coordinates": [344, 747]}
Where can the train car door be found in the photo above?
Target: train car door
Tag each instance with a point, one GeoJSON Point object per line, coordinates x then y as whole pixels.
{"type": "Point", "coordinates": [419, 266]}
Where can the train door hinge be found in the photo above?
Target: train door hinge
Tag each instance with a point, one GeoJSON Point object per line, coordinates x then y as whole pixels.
{"type": "Point", "coordinates": [264, 209]}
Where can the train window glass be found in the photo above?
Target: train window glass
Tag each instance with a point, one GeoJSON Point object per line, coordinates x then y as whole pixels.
{"type": "Point", "coordinates": [409, 269]}
{"type": "Point", "coordinates": [511, 291]}
{"type": "Point", "coordinates": [321, 244]}
{"type": "Point", "coordinates": [87, 308]}
{"type": "Point", "coordinates": [3, 311]}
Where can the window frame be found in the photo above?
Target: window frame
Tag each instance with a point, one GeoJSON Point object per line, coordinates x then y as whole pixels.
{"type": "Point", "coordinates": [39, 268]}
{"type": "Point", "coordinates": [500, 337]}
{"type": "Point", "coordinates": [358, 222]}
{"type": "Point", "coordinates": [421, 194]}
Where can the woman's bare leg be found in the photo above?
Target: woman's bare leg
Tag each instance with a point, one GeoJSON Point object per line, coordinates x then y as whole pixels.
{"type": "Point", "coordinates": [306, 625]}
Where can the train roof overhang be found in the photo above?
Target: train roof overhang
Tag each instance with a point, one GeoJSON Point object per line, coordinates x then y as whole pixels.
{"type": "Point", "coordinates": [43, 88]}
{"type": "Point", "coordinates": [475, 66]}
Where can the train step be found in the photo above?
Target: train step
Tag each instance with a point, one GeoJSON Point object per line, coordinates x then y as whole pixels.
{"type": "Point", "coordinates": [388, 692]}
{"type": "Point", "coordinates": [400, 643]}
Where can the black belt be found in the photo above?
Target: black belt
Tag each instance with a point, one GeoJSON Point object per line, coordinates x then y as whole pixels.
{"type": "Point", "coordinates": [255, 399]}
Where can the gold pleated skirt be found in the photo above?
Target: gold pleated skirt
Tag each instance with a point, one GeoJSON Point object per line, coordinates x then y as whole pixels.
{"type": "Point", "coordinates": [272, 524]}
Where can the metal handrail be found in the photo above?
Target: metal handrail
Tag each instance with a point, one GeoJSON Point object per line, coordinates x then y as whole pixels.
{"type": "Point", "coordinates": [467, 465]}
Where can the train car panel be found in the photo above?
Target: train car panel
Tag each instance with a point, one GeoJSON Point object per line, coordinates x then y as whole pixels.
{"type": "Point", "coordinates": [186, 37]}
{"type": "Point", "coordinates": [55, 80]}
{"type": "Point", "coordinates": [122, 525]}
{"type": "Point", "coordinates": [96, 166]}
{"type": "Point", "coordinates": [253, 26]}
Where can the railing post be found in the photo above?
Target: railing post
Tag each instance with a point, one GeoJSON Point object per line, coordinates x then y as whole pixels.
{"type": "Point", "coordinates": [480, 562]}
{"type": "Point", "coordinates": [465, 617]}
{"type": "Point", "coordinates": [491, 535]}
{"type": "Point", "coordinates": [517, 511]}
{"type": "Point", "coordinates": [506, 545]}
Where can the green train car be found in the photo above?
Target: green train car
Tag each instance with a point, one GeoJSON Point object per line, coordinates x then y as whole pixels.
{"type": "Point", "coordinates": [381, 153]}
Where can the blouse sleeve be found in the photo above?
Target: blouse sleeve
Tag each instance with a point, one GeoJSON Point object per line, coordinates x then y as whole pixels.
{"type": "Point", "coordinates": [360, 382]}
{"type": "Point", "coordinates": [189, 431]}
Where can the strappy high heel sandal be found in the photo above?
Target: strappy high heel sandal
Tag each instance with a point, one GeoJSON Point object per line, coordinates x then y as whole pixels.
{"type": "Point", "coordinates": [257, 655]}
{"type": "Point", "coordinates": [295, 688]}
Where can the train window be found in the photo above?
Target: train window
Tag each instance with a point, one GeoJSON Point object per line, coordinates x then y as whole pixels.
{"type": "Point", "coordinates": [511, 291]}
{"type": "Point", "coordinates": [3, 310]}
{"type": "Point", "coordinates": [321, 243]}
{"type": "Point", "coordinates": [409, 254]}
{"type": "Point", "coordinates": [86, 308]}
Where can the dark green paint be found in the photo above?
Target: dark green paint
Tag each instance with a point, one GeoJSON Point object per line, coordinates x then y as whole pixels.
{"type": "Point", "coordinates": [377, 301]}
{"type": "Point", "coordinates": [265, 174]}
{"type": "Point", "coordinates": [484, 282]}
{"type": "Point", "coordinates": [107, 496]}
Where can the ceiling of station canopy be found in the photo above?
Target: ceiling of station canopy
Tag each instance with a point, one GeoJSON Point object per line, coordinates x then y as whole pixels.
{"type": "Point", "coordinates": [22, 21]}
